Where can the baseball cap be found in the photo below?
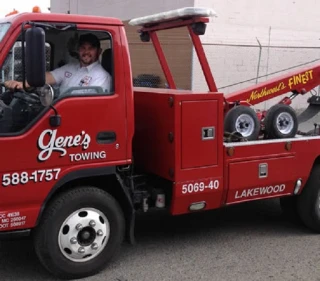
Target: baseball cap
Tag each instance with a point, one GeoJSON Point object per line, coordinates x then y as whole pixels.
{"type": "Point", "coordinates": [89, 38]}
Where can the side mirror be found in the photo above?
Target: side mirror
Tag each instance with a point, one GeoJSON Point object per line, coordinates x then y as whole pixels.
{"type": "Point", "coordinates": [46, 95]}
{"type": "Point", "coordinates": [35, 57]}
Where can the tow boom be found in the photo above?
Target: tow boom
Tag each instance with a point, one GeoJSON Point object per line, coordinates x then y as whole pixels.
{"type": "Point", "coordinates": [297, 82]}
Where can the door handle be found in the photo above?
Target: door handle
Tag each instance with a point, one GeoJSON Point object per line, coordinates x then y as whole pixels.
{"type": "Point", "coordinates": [208, 133]}
{"type": "Point", "coordinates": [106, 137]}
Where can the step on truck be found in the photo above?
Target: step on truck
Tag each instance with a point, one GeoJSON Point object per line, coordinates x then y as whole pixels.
{"type": "Point", "coordinates": [80, 163]}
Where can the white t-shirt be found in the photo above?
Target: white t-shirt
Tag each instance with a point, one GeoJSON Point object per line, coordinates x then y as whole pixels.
{"type": "Point", "coordinates": [73, 75]}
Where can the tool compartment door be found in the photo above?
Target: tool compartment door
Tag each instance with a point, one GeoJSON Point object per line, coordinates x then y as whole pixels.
{"type": "Point", "coordinates": [262, 178]}
{"type": "Point", "coordinates": [198, 133]}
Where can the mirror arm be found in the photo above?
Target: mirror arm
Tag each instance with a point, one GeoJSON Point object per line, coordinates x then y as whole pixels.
{"type": "Point", "coordinates": [55, 120]}
{"type": "Point", "coordinates": [54, 109]}
{"type": "Point", "coordinates": [23, 56]}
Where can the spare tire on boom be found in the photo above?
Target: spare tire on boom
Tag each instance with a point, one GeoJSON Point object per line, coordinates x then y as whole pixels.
{"type": "Point", "coordinates": [244, 120]}
{"type": "Point", "coordinates": [280, 122]}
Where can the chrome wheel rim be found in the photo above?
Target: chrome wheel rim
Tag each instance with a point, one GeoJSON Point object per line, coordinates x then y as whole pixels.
{"type": "Point", "coordinates": [245, 125]}
{"type": "Point", "coordinates": [84, 234]}
{"type": "Point", "coordinates": [285, 123]}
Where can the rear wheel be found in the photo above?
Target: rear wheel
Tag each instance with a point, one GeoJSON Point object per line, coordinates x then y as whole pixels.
{"type": "Point", "coordinates": [288, 206]}
{"type": "Point", "coordinates": [81, 230]}
{"type": "Point", "coordinates": [308, 202]}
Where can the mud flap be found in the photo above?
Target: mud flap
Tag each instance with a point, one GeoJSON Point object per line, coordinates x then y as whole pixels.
{"type": "Point", "coordinates": [130, 229]}
{"type": "Point", "coordinates": [130, 213]}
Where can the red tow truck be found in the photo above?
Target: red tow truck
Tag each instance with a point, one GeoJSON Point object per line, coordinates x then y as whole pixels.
{"type": "Point", "coordinates": [78, 166]}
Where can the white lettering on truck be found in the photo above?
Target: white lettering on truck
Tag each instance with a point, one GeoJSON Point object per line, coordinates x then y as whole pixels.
{"type": "Point", "coordinates": [87, 156]}
{"type": "Point", "coordinates": [59, 144]}
{"type": "Point", "coordinates": [260, 191]}
{"type": "Point", "coordinates": [22, 178]}
{"type": "Point", "coordinates": [10, 220]}
{"type": "Point", "coordinates": [50, 142]}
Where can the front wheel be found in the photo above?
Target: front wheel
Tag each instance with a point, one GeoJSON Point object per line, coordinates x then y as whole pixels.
{"type": "Point", "coordinates": [81, 230]}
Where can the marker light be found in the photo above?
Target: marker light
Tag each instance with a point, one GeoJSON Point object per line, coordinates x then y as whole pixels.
{"type": "Point", "coordinates": [36, 9]}
{"type": "Point", "coordinates": [298, 186]}
{"type": "Point", "coordinates": [173, 14]}
{"type": "Point", "coordinates": [197, 206]}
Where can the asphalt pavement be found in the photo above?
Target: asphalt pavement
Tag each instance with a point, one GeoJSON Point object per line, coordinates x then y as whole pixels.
{"type": "Point", "coordinates": [252, 241]}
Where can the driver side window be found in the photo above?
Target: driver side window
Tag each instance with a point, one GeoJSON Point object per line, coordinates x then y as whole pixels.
{"type": "Point", "coordinates": [83, 63]}
{"type": "Point", "coordinates": [78, 63]}
{"type": "Point", "coordinates": [17, 110]}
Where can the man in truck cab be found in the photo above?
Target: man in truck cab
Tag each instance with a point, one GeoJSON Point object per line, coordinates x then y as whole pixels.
{"type": "Point", "coordinates": [87, 72]}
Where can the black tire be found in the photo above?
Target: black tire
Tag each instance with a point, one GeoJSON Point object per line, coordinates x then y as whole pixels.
{"type": "Point", "coordinates": [231, 120]}
{"type": "Point", "coordinates": [46, 235]}
{"type": "Point", "coordinates": [309, 200]}
{"type": "Point", "coordinates": [271, 122]}
{"type": "Point", "coordinates": [288, 206]}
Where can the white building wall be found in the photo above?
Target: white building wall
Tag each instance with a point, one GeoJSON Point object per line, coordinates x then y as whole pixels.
{"type": "Point", "coordinates": [123, 9]}
{"type": "Point", "coordinates": [288, 31]}
{"type": "Point", "coordinates": [60, 6]}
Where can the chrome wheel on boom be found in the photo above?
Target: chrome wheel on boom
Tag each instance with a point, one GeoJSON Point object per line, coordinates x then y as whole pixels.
{"type": "Point", "coordinates": [281, 122]}
{"type": "Point", "coordinates": [243, 120]}
{"type": "Point", "coordinates": [284, 123]}
{"type": "Point", "coordinates": [245, 125]}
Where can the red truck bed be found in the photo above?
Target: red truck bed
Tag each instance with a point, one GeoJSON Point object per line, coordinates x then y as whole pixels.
{"type": "Point", "coordinates": [168, 143]}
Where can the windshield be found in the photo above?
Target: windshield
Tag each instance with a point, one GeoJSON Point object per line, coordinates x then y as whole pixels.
{"type": "Point", "coordinates": [3, 29]}
{"type": "Point", "coordinates": [12, 66]}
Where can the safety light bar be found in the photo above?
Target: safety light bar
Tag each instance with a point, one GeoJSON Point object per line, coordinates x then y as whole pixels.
{"type": "Point", "coordinates": [187, 12]}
